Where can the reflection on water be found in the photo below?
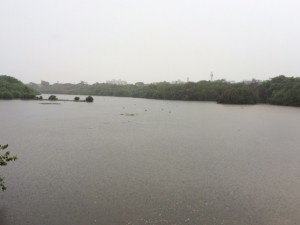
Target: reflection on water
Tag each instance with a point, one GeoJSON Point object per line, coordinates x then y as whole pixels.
{"type": "Point", "coordinates": [3, 215]}
{"type": "Point", "coordinates": [136, 161]}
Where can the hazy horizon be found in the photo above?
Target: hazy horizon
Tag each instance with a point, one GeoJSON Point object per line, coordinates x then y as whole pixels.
{"type": "Point", "coordinates": [148, 41]}
{"type": "Point", "coordinates": [178, 81]}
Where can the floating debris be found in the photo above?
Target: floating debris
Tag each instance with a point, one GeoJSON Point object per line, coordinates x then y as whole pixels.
{"type": "Point", "coordinates": [49, 103]}
{"type": "Point", "coordinates": [128, 114]}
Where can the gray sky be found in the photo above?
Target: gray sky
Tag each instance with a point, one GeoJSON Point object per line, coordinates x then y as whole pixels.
{"type": "Point", "coordinates": [153, 40]}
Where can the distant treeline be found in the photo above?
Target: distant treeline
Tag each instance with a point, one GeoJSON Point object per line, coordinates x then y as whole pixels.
{"type": "Point", "coordinates": [280, 90]}
{"type": "Point", "coordinates": [11, 88]}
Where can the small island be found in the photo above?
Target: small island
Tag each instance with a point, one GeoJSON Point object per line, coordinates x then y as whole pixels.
{"type": "Point", "coordinates": [76, 99]}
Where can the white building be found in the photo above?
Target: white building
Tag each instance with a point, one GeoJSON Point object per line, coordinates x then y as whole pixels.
{"type": "Point", "coordinates": [116, 82]}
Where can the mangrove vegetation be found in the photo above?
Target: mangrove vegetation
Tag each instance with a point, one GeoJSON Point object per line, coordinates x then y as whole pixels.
{"type": "Point", "coordinates": [279, 90]}
{"type": "Point", "coordinates": [11, 88]}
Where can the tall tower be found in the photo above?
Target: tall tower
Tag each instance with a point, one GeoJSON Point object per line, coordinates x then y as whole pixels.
{"type": "Point", "coordinates": [211, 76]}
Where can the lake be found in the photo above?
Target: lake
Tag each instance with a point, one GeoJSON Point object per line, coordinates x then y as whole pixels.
{"type": "Point", "coordinates": [137, 161]}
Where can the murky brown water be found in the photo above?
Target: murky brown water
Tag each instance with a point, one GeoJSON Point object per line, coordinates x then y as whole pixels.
{"type": "Point", "coordinates": [171, 162]}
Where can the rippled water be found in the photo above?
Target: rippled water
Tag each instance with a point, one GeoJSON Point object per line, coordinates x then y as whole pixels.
{"type": "Point", "coordinates": [161, 162]}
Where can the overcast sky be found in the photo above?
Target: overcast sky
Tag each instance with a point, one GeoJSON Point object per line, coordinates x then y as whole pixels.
{"type": "Point", "coordinates": [148, 40]}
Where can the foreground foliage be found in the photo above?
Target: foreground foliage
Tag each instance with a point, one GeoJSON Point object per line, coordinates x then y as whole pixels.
{"type": "Point", "coordinates": [280, 90]}
{"type": "Point", "coordinates": [5, 158]}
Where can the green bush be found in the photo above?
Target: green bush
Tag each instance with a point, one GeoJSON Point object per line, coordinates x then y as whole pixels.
{"type": "Point", "coordinates": [7, 95]}
{"type": "Point", "coordinates": [89, 99]}
{"type": "Point", "coordinates": [52, 98]}
{"type": "Point", "coordinates": [11, 88]}
{"type": "Point", "coordinates": [237, 96]}
{"type": "Point", "coordinates": [76, 98]}
{"type": "Point", "coordinates": [27, 96]}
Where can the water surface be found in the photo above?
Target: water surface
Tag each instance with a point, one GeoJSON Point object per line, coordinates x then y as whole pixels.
{"type": "Point", "coordinates": [161, 162]}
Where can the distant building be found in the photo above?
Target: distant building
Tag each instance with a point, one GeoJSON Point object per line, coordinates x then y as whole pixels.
{"type": "Point", "coordinates": [44, 83]}
{"type": "Point", "coordinates": [177, 82]}
{"type": "Point", "coordinates": [253, 81]}
{"type": "Point", "coordinates": [116, 82]}
{"type": "Point", "coordinates": [139, 84]}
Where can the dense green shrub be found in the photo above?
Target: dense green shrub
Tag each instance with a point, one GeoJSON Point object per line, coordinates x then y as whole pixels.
{"type": "Point", "coordinates": [52, 98]}
{"type": "Point", "coordinates": [286, 97]}
{"type": "Point", "coordinates": [89, 99]}
{"type": "Point", "coordinates": [7, 95]}
{"type": "Point", "coordinates": [11, 88]}
{"type": "Point", "coordinates": [237, 96]}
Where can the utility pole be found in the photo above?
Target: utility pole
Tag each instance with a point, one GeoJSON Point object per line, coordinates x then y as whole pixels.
{"type": "Point", "coordinates": [211, 76]}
